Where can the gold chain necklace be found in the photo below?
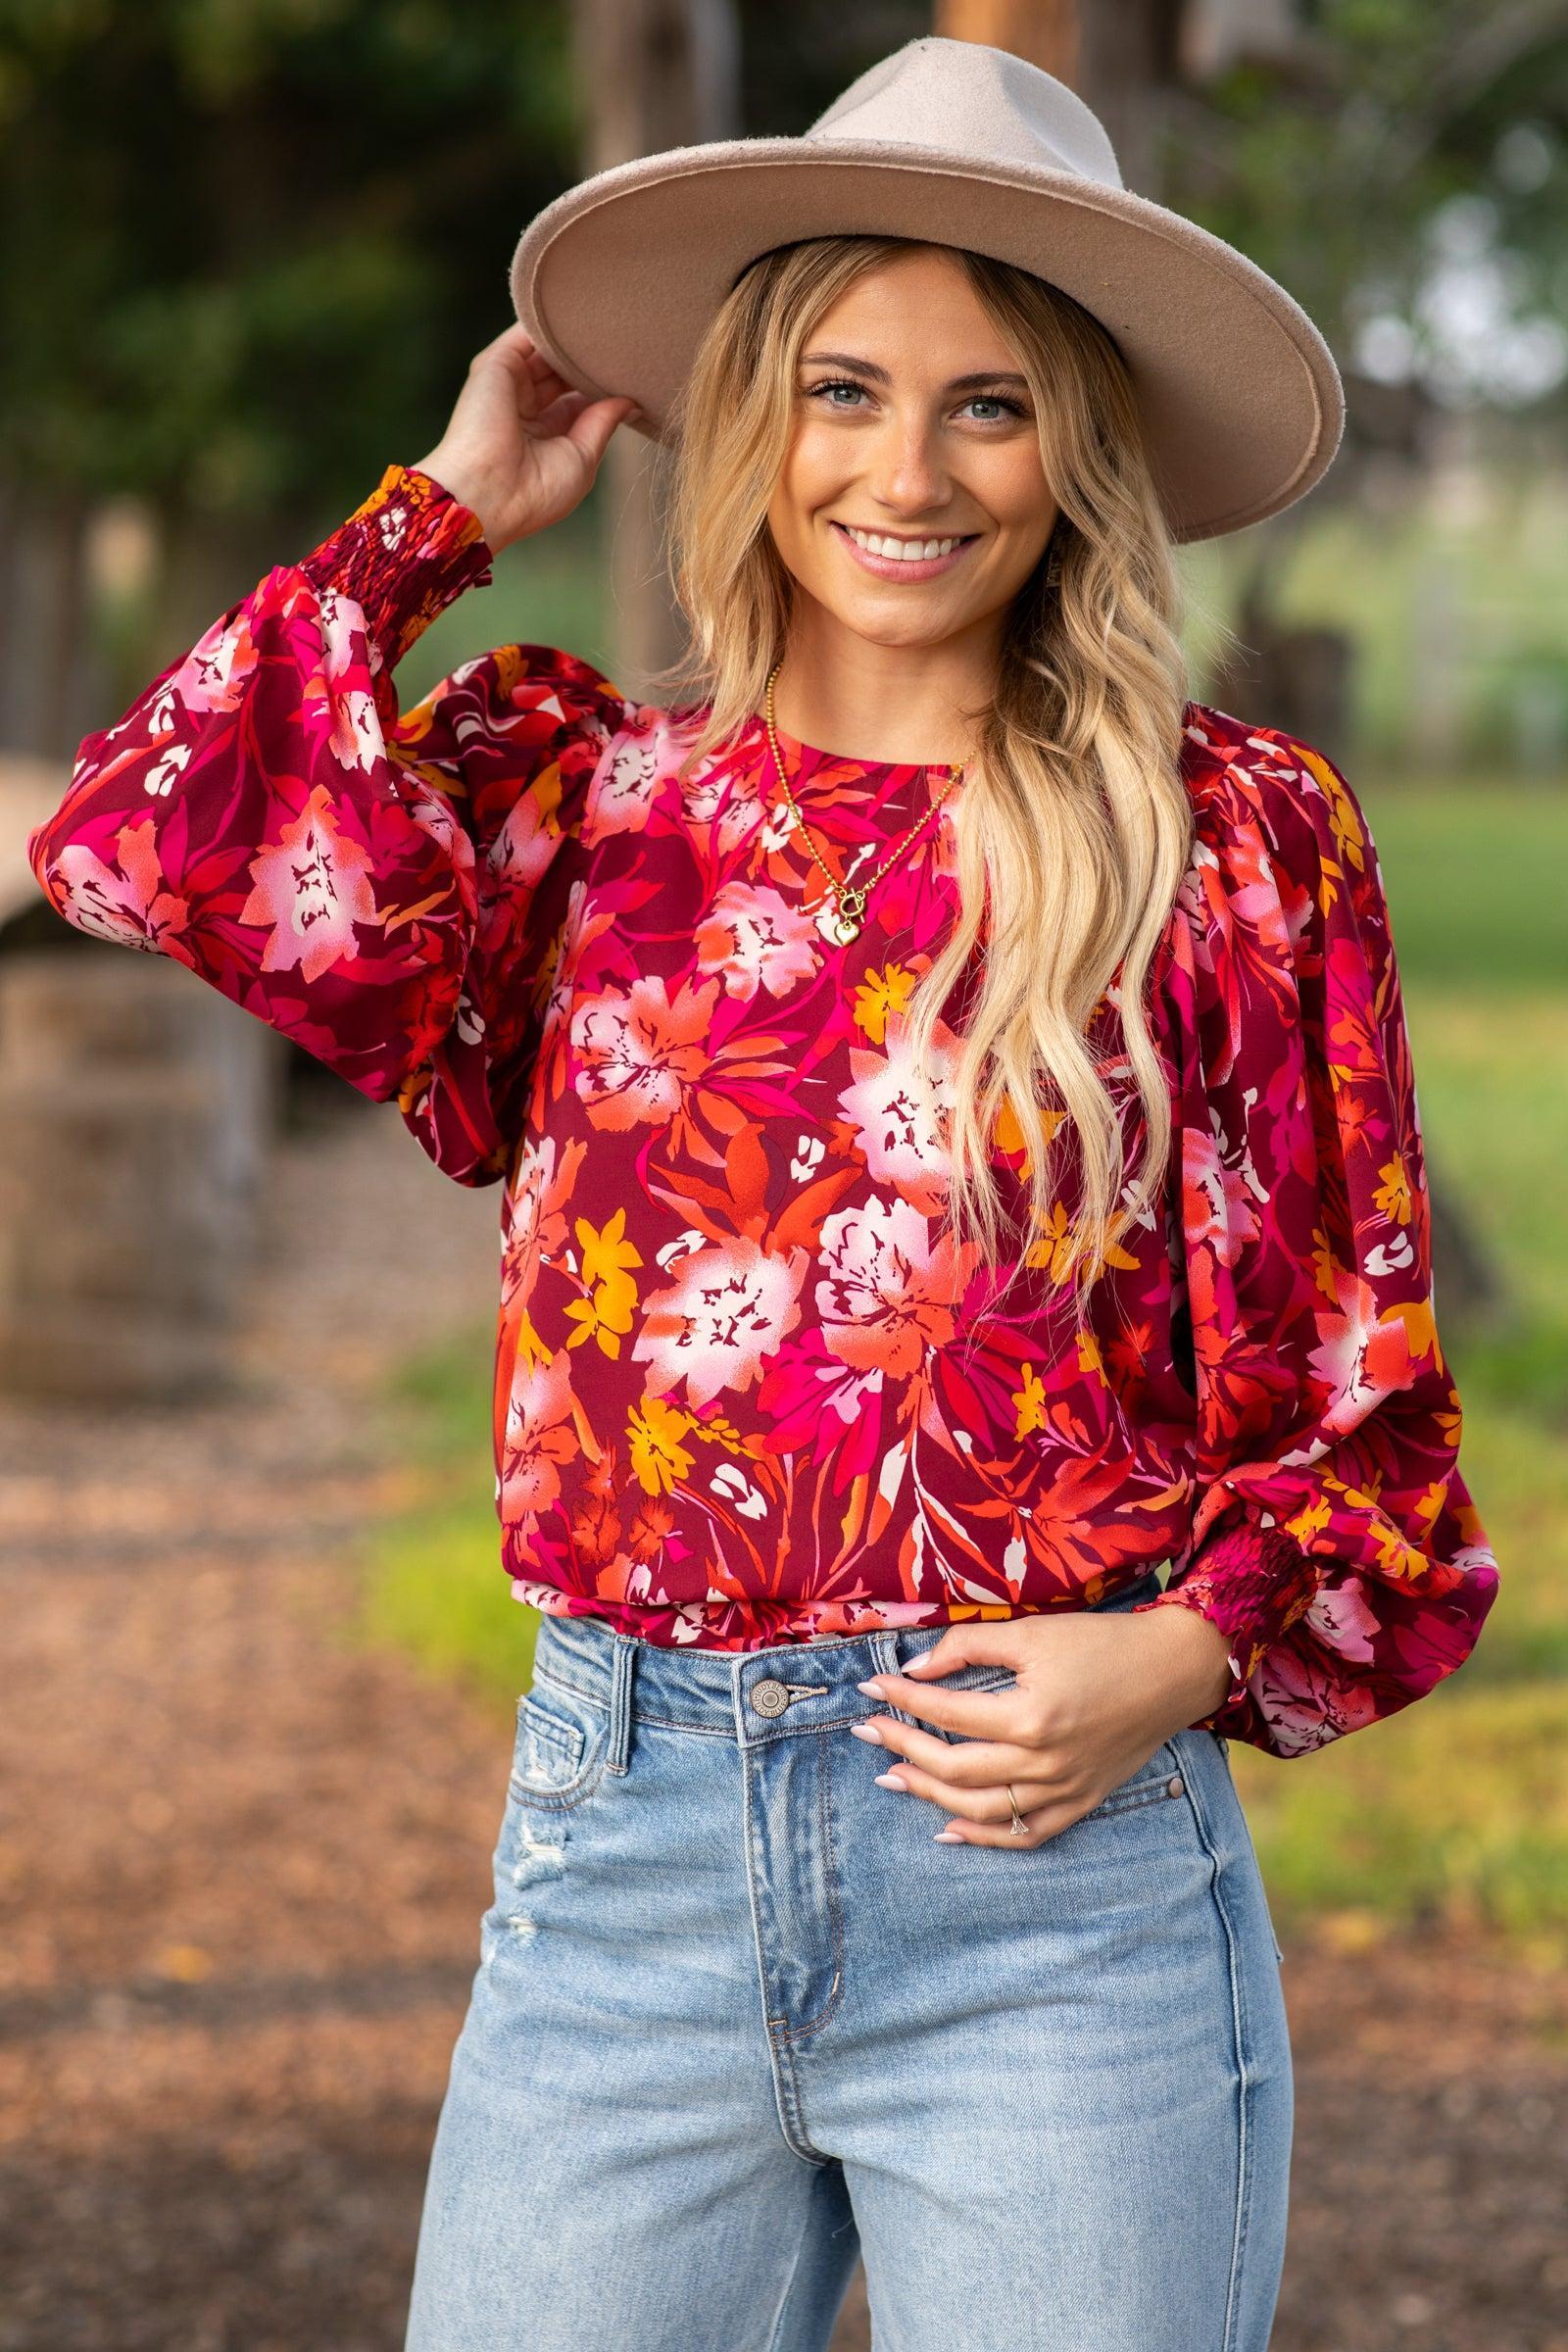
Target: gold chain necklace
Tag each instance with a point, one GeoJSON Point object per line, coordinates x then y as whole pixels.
{"type": "Point", "coordinates": [839, 919]}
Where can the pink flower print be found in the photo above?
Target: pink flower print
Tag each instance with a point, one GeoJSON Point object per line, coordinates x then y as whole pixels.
{"type": "Point", "coordinates": [356, 740]}
{"type": "Point", "coordinates": [752, 937]}
{"type": "Point", "coordinates": [885, 1299]}
{"type": "Point", "coordinates": [215, 674]}
{"type": "Point", "coordinates": [1340, 1617]}
{"type": "Point", "coordinates": [538, 1436]}
{"type": "Point", "coordinates": [311, 885]}
{"type": "Point", "coordinates": [1216, 1208]}
{"type": "Point", "coordinates": [534, 1222]}
{"type": "Point", "coordinates": [891, 1112]}
{"type": "Point", "coordinates": [637, 1053]}
{"type": "Point", "coordinates": [1364, 1355]}
{"type": "Point", "coordinates": [559, 970]}
{"type": "Point", "coordinates": [352, 723]}
{"type": "Point", "coordinates": [524, 845]}
{"type": "Point", "coordinates": [392, 523]}
{"type": "Point", "coordinates": [131, 906]}
{"type": "Point", "coordinates": [722, 801]}
{"type": "Point", "coordinates": [625, 784]}
{"type": "Point", "coordinates": [730, 1306]}
{"type": "Point", "coordinates": [1303, 1707]}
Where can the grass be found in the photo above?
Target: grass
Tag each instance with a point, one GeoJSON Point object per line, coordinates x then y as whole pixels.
{"type": "Point", "coordinates": [434, 1587]}
{"type": "Point", "coordinates": [1454, 1812]}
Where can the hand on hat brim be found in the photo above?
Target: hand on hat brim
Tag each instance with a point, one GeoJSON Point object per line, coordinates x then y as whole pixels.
{"type": "Point", "coordinates": [522, 446]}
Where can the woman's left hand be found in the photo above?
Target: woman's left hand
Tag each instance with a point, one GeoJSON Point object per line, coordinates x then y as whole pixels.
{"type": "Point", "coordinates": [1095, 1696]}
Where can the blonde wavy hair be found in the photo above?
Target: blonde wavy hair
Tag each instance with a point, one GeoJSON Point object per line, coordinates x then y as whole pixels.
{"type": "Point", "coordinates": [1074, 827]}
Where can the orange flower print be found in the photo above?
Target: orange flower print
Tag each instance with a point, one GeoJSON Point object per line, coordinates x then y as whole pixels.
{"type": "Point", "coordinates": [1360, 1357]}
{"type": "Point", "coordinates": [637, 1051]}
{"type": "Point", "coordinates": [1029, 1405]}
{"type": "Point", "coordinates": [1217, 1207]}
{"type": "Point", "coordinates": [538, 1436]}
{"type": "Point", "coordinates": [214, 675]}
{"type": "Point", "coordinates": [755, 939]}
{"type": "Point", "coordinates": [533, 1225]}
{"type": "Point", "coordinates": [605, 1314]}
{"type": "Point", "coordinates": [879, 994]}
{"type": "Point", "coordinates": [721, 806]}
{"type": "Point", "coordinates": [1393, 1195]}
{"type": "Point", "coordinates": [886, 1297]}
{"type": "Point", "coordinates": [747, 1392]}
{"type": "Point", "coordinates": [130, 905]}
{"type": "Point", "coordinates": [655, 1431]}
{"type": "Point", "coordinates": [311, 887]}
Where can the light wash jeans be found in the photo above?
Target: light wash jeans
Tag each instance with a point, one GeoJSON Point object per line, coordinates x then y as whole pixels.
{"type": "Point", "coordinates": [737, 2017]}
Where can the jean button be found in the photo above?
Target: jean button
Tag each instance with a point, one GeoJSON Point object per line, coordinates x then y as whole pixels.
{"type": "Point", "coordinates": [770, 1698]}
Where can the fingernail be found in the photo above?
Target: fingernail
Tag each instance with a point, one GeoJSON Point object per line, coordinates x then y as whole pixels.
{"type": "Point", "coordinates": [891, 1780]}
{"type": "Point", "coordinates": [872, 1689]}
{"type": "Point", "coordinates": [868, 1731]}
{"type": "Point", "coordinates": [950, 1838]}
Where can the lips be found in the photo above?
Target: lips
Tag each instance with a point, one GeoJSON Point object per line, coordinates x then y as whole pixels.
{"type": "Point", "coordinates": [901, 567]}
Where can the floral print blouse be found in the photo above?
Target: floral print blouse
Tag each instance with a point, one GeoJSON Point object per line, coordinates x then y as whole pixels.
{"type": "Point", "coordinates": [744, 1393]}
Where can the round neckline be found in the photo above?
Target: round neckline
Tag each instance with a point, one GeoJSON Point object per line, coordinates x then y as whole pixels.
{"type": "Point", "coordinates": [796, 753]}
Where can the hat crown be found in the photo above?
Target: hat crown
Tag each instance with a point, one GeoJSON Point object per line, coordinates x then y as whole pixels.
{"type": "Point", "coordinates": [967, 97]}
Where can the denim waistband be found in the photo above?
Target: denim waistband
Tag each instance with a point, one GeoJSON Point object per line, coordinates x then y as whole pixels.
{"type": "Point", "coordinates": [753, 1694]}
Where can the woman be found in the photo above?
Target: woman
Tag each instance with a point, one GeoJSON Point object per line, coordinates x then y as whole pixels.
{"type": "Point", "coordinates": [944, 1176]}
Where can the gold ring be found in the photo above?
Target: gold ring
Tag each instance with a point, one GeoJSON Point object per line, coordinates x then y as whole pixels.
{"type": "Point", "coordinates": [1019, 1826]}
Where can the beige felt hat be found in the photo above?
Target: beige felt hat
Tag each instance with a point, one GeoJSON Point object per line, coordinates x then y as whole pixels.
{"type": "Point", "coordinates": [953, 143]}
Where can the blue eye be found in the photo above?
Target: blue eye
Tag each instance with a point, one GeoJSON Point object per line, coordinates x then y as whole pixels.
{"type": "Point", "coordinates": [995, 399]}
{"type": "Point", "coordinates": [843, 383]}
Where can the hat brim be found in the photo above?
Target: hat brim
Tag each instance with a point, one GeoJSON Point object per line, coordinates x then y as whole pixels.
{"type": "Point", "coordinates": [1242, 402]}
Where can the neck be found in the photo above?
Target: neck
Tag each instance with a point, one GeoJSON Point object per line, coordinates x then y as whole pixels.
{"type": "Point", "coordinates": [913, 705]}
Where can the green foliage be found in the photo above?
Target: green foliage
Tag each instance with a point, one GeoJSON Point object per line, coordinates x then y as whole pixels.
{"type": "Point", "coordinates": [248, 243]}
{"type": "Point", "coordinates": [437, 1595]}
{"type": "Point", "coordinates": [1329, 175]}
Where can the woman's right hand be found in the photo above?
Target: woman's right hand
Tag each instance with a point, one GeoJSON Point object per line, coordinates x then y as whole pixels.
{"type": "Point", "coordinates": [521, 449]}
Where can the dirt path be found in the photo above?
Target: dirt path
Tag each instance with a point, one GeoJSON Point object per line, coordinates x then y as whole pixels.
{"type": "Point", "coordinates": [241, 1868]}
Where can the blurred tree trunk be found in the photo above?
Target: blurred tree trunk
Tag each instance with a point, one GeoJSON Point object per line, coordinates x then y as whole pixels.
{"type": "Point", "coordinates": [655, 73]}
{"type": "Point", "coordinates": [45, 665]}
{"type": "Point", "coordinates": [1120, 55]}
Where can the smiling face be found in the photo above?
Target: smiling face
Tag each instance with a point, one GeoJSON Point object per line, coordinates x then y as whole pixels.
{"type": "Point", "coordinates": [911, 504]}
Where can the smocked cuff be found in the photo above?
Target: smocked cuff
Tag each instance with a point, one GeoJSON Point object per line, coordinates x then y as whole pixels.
{"type": "Point", "coordinates": [1252, 1582]}
{"type": "Point", "coordinates": [403, 556]}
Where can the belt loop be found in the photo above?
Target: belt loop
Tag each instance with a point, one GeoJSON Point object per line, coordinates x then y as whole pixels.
{"type": "Point", "coordinates": [884, 1649]}
{"type": "Point", "coordinates": [621, 1682]}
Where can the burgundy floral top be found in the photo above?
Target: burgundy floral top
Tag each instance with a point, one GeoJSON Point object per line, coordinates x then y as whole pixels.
{"type": "Point", "coordinates": [744, 1394]}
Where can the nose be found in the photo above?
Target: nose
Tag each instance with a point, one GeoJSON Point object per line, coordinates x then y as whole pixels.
{"type": "Point", "coordinates": [907, 476]}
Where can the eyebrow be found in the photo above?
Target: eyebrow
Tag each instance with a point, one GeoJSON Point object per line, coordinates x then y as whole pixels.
{"type": "Point", "coordinates": [880, 375]}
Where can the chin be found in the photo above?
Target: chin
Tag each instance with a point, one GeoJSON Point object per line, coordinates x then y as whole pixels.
{"type": "Point", "coordinates": [884, 628]}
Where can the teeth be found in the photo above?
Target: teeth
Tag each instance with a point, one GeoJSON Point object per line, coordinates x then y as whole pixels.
{"type": "Point", "coordinates": [902, 551]}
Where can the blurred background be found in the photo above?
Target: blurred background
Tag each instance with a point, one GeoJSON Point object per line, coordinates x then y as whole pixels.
{"type": "Point", "coordinates": [260, 1662]}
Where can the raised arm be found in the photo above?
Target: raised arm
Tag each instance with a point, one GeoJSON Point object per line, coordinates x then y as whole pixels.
{"type": "Point", "coordinates": [355, 877]}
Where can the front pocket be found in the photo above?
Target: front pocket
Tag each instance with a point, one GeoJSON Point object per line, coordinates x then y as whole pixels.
{"type": "Point", "coordinates": [561, 1741]}
{"type": "Point", "coordinates": [549, 1752]}
{"type": "Point", "coordinates": [1149, 1785]}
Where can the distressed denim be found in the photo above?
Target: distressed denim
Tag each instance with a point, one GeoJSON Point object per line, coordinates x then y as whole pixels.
{"type": "Point", "coordinates": [738, 2018]}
